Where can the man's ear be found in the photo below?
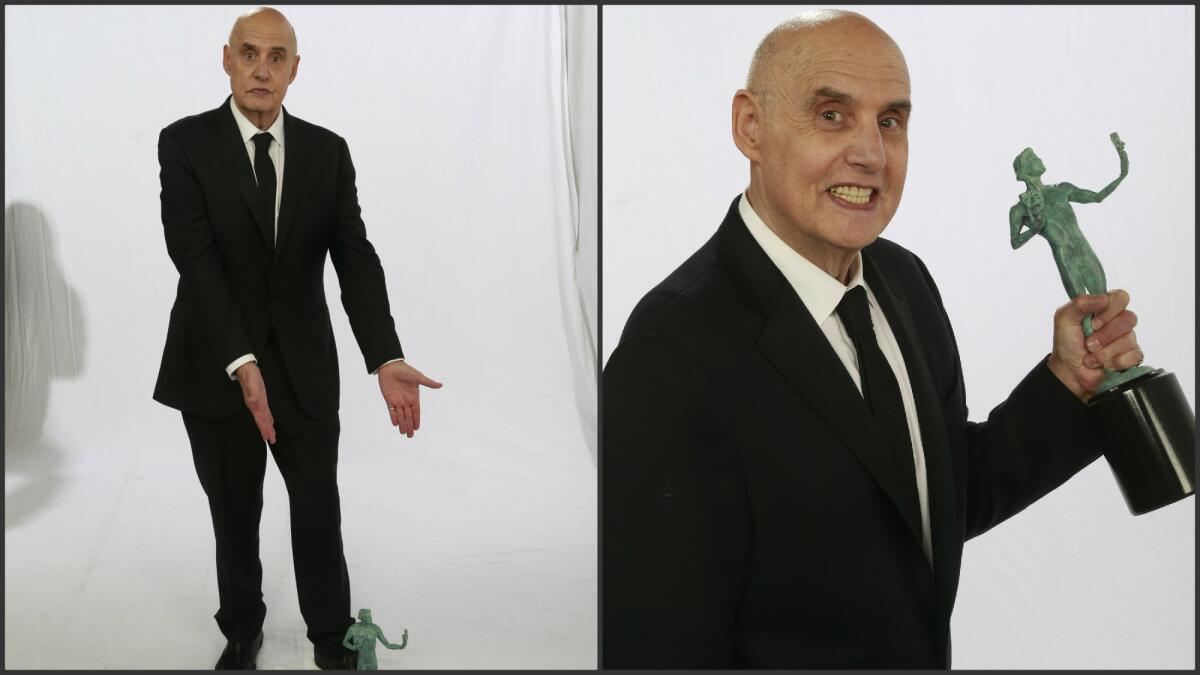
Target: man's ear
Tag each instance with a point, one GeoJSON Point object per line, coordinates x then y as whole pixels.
{"type": "Point", "coordinates": [295, 69]}
{"type": "Point", "coordinates": [225, 60]}
{"type": "Point", "coordinates": [747, 124]}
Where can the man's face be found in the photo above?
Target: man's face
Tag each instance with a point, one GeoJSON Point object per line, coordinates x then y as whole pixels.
{"type": "Point", "coordinates": [833, 150]}
{"type": "Point", "coordinates": [261, 62]}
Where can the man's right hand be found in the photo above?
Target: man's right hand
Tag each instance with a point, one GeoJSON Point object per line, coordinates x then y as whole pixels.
{"type": "Point", "coordinates": [254, 393]}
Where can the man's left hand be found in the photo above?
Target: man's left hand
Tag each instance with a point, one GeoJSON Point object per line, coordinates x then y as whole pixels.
{"type": "Point", "coordinates": [400, 384]}
{"type": "Point", "coordinates": [1079, 362]}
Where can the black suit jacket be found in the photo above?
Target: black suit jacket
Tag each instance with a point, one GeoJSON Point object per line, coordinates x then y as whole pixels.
{"type": "Point", "coordinates": [234, 285]}
{"type": "Point", "coordinates": [750, 514]}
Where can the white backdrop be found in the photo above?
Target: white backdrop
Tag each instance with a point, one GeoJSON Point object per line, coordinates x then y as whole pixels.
{"type": "Point", "coordinates": [1074, 581]}
{"type": "Point", "coordinates": [479, 535]}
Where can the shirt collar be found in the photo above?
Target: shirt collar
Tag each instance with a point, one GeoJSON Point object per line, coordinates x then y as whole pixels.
{"type": "Point", "coordinates": [248, 130]}
{"type": "Point", "coordinates": [819, 292]}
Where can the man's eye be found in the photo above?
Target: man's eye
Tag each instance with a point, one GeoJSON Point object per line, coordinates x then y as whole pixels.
{"type": "Point", "coordinates": [890, 123]}
{"type": "Point", "coordinates": [275, 58]}
{"type": "Point", "coordinates": [249, 56]}
{"type": "Point", "coordinates": [831, 116]}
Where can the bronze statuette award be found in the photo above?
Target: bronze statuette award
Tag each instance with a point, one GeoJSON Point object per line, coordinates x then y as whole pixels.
{"type": "Point", "coordinates": [1141, 412]}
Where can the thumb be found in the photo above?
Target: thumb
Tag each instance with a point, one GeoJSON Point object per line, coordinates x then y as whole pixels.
{"type": "Point", "coordinates": [1082, 305]}
{"type": "Point", "coordinates": [432, 384]}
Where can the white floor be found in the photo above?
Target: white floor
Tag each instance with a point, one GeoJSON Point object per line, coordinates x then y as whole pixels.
{"type": "Point", "coordinates": [486, 554]}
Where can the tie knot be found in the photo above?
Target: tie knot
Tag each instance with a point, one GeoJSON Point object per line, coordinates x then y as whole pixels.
{"type": "Point", "coordinates": [262, 141]}
{"type": "Point", "coordinates": [854, 311]}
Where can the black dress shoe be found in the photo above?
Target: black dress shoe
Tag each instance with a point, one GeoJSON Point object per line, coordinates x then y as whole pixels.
{"type": "Point", "coordinates": [343, 659]}
{"type": "Point", "coordinates": [240, 655]}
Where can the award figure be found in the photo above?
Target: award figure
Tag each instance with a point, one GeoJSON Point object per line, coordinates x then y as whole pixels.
{"type": "Point", "coordinates": [1147, 423]}
{"type": "Point", "coordinates": [361, 638]}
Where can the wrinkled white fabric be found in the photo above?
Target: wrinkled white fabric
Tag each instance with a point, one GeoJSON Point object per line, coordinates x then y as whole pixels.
{"type": "Point", "coordinates": [478, 535]}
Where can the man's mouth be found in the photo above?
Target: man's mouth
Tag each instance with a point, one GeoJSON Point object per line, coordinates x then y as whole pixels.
{"type": "Point", "coordinates": [260, 91]}
{"type": "Point", "coordinates": [852, 194]}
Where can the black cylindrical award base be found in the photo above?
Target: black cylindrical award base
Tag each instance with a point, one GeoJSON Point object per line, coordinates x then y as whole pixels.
{"type": "Point", "coordinates": [1149, 433]}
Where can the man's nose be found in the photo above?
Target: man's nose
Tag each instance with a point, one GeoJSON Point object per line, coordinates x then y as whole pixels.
{"type": "Point", "coordinates": [866, 149]}
{"type": "Point", "coordinates": [261, 70]}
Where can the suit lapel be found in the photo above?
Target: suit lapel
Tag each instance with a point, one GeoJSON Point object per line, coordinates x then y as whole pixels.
{"type": "Point", "coordinates": [232, 150]}
{"type": "Point", "coordinates": [795, 345]}
{"type": "Point", "coordinates": [939, 470]}
{"type": "Point", "coordinates": [295, 171]}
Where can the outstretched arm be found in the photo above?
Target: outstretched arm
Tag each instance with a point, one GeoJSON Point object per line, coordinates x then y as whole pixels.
{"type": "Point", "coordinates": [1081, 196]}
{"type": "Point", "coordinates": [1016, 221]}
{"type": "Point", "coordinates": [403, 640]}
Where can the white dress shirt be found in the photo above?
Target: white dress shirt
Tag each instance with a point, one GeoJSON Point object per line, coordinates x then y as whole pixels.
{"type": "Point", "coordinates": [275, 150]}
{"type": "Point", "coordinates": [821, 294]}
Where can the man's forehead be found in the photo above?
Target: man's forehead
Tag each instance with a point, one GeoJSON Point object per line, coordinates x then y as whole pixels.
{"type": "Point", "coordinates": [846, 46]}
{"type": "Point", "coordinates": [264, 30]}
{"type": "Point", "coordinates": [849, 73]}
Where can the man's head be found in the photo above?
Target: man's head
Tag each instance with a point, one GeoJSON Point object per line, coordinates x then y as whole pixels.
{"type": "Point", "coordinates": [261, 60]}
{"type": "Point", "coordinates": [824, 122]}
{"type": "Point", "coordinates": [1028, 166]}
{"type": "Point", "coordinates": [364, 615]}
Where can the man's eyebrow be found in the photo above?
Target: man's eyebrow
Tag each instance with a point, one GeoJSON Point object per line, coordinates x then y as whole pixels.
{"type": "Point", "coordinates": [830, 93]}
{"type": "Point", "coordinates": [823, 93]}
{"type": "Point", "coordinates": [247, 45]}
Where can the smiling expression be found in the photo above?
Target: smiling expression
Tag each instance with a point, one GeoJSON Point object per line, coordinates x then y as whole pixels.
{"type": "Point", "coordinates": [827, 137]}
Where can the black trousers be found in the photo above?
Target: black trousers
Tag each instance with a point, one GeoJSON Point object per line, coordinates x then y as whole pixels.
{"type": "Point", "coordinates": [231, 460]}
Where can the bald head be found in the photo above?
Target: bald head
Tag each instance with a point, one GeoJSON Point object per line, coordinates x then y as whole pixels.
{"type": "Point", "coordinates": [785, 49]}
{"type": "Point", "coordinates": [264, 20]}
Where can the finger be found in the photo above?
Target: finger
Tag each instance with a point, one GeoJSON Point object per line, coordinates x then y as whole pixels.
{"type": "Point", "coordinates": [1090, 379]}
{"type": "Point", "coordinates": [1118, 300]}
{"type": "Point", "coordinates": [1128, 359]}
{"type": "Point", "coordinates": [1113, 355]}
{"type": "Point", "coordinates": [266, 424]}
{"type": "Point", "coordinates": [1117, 327]}
{"type": "Point", "coordinates": [395, 415]}
{"type": "Point", "coordinates": [400, 419]}
{"type": "Point", "coordinates": [416, 416]}
{"type": "Point", "coordinates": [1079, 307]}
{"type": "Point", "coordinates": [407, 429]}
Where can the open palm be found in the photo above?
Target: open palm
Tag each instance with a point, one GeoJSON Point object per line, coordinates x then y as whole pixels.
{"type": "Point", "coordinates": [400, 385]}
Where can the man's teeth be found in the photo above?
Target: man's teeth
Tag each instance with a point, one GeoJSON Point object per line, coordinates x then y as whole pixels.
{"type": "Point", "coordinates": [854, 195]}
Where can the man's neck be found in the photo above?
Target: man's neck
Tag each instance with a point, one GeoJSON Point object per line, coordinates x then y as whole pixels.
{"type": "Point", "coordinates": [262, 120]}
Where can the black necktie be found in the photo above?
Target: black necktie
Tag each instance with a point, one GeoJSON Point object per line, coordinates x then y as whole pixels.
{"type": "Point", "coordinates": [880, 388]}
{"type": "Point", "coordinates": [264, 171]}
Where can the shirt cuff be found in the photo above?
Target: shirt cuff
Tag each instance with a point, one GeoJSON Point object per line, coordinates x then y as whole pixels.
{"type": "Point", "coordinates": [384, 364]}
{"type": "Point", "coordinates": [231, 369]}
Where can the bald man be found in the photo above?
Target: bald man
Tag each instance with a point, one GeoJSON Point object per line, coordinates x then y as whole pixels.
{"type": "Point", "coordinates": [789, 473]}
{"type": "Point", "coordinates": [253, 199]}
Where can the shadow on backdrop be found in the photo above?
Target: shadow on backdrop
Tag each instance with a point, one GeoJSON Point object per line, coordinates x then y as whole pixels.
{"type": "Point", "coordinates": [44, 340]}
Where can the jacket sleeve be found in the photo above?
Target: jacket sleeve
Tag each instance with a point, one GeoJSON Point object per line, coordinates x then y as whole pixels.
{"type": "Point", "coordinates": [189, 236]}
{"type": "Point", "coordinates": [676, 516]}
{"type": "Point", "coordinates": [1030, 444]}
{"type": "Point", "coordinates": [360, 274]}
